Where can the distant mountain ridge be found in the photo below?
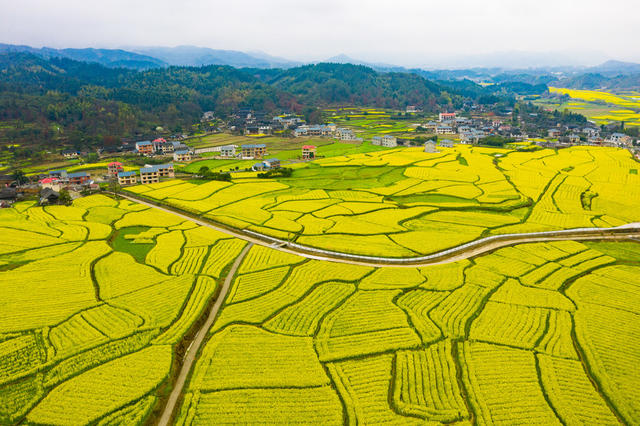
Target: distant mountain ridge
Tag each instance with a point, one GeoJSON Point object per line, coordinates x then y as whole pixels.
{"type": "Point", "coordinates": [144, 58]}
{"type": "Point", "coordinates": [201, 56]}
{"type": "Point", "coordinates": [112, 58]}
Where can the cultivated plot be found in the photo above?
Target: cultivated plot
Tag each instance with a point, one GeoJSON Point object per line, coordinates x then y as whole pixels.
{"type": "Point", "coordinates": [541, 333]}
{"type": "Point", "coordinates": [404, 202]}
{"type": "Point", "coordinates": [96, 298]}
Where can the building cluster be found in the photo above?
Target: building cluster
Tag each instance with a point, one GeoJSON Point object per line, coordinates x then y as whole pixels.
{"type": "Point", "coordinates": [148, 174]}
{"type": "Point", "coordinates": [161, 147]}
{"type": "Point", "coordinates": [259, 123]}
{"type": "Point", "coordinates": [589, 135]}
{"type": "Point", "coordinates": [327, 131]}
{"type": "Point", "coordinates": [469, 130]}
{"type": "Point", "coordinates": [322, 130]}
{"type": "Point", "coordinates": [346, 135]}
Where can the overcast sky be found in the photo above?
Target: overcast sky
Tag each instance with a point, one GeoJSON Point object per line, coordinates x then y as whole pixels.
{"type": "Point", "coordinates": [406, 32]}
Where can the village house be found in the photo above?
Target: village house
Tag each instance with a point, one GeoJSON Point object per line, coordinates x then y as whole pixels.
{"type": "Point", "coordinates": [265, 130]}
{"type": "Point", "coordinates": [228, 151]}
{"type": "Point", "coordinates": [127, 178]}
{"type": "Point", "coordinates": [149, 175]}
{"type": "Point", "coordinates": [321, 130]}
{"type": "Point", "coordinates": [144, 147]}
{"type": "Point", "coordinates": [430, 147]}
{"type": "Point", "coordinates": [49, 196]}
{"type": "Point", "coordinates": [274, 163]}
{"type": "Point", "coordinates": [446, 116]}
{"type": "Point", "coordinates": [70, 154]}
{"type": "Point", "coordinates": [554, 133]}
{"type": "Point", "coordinates": [431, 125]}
{"type": "Point", "coordinates": [573, 138]}
{"type": "Point", "coordinates": [7, 196]}
{"type": "Point", "coordinates": [254, 151]}
{"type": "Point", "coordinates": [287, 122]}
{"type": "Point", "coordinates": [271, 163]}
{"type": "Point", "coordinates": [386, 140]}
{"type": "Point", "coordinates": [619, 139]}
{"type": "Point", "coordinates": [591, 132]}
{"type": "Point", "coordinates": [389, 141]}
{"type": "Point", "coordinates": [595, 140]}
{"type": "Point", "coordinates": [461, 121]}
{"type": "Point", "coordinates": [60, 174]}
{"type": "Point", "coordinates": [182, 156]}
{"type": "Point", "coordinates": [162, 147]}
{"type": "Point", "coordinates": [50, 182]}
{"type": "Point", "coordinates": [413, 109]}
{"type": "Point", "coordinates": [345, 134]}
{"type": "Point", "coordinates": [114, 168]}
{"type": "Point", "coordinates": [258, 167]}
{"type": "Point", "coordinates": [78, 178]}
{"type": "Point", "coordinates": [165, 170]}
{"type": "Point", "coordinates": [251, 130]}
{"type": "Point", "coordinates": [446, 143]}
{"type": "Point", "coordinates": [5, 180]}
{"type": "Point", "coordinates": [308, 152]}
{"type": "Point", "coordinates": [444, 130]}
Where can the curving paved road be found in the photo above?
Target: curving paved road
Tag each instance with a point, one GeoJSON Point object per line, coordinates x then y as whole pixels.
{"type": "Point", "coordinates": [464, 251]}
{"type": "Point", "coordinates": [192, 351]}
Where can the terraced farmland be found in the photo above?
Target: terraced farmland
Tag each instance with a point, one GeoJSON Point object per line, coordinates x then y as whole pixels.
{"type": "Point", "coordinates": [601, 107]}
{"type": "Point", "coordinates": [96, 299]}
{"type": "Point", "coordinates": [404, 202]}
{"type": "Point", "coordinates": [543, 333]}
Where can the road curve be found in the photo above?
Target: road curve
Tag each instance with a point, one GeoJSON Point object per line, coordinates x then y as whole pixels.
{"type": "Point", "coordinates": [464, 251]}
{"type": "Point", "coordinates": [192, 351]}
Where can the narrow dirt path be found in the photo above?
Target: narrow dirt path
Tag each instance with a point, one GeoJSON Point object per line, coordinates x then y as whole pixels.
{"type": "Point", "coordinates": [199, 338]}
{"type": "Point", "coordinates": [464, 251]}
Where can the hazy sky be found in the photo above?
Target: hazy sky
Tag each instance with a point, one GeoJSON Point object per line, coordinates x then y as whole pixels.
{"type": "Point", "coordinates": [407, 32]}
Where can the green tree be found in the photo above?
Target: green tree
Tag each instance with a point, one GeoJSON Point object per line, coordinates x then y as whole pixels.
{"type": "Point", "coordinates": [19, 177]}
{"type": "Point", "coordinates": [64, 198]}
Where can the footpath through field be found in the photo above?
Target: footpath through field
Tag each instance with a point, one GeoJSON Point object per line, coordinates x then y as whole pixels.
{"type": "Point", "coordinates": [464, 251]}
{"type": "Point", "coordinates": [190, 356]}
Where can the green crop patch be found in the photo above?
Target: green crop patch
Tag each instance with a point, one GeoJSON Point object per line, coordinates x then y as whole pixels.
{"type": "Point", "coordinates": [133, 240]}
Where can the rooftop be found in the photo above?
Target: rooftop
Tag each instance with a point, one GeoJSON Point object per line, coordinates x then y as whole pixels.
{"type": "Point", "coordinates": [125, 174]}
{"type": "Point", "coordinates": [49, 180]}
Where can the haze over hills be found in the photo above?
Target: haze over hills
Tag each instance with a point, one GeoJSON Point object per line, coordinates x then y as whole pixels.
{"type": "Point", "coordinates": [200, 56]}
{"type": "Point", "coordinates": [472, 66]}
{"type": "Point", "coordinates": [111, 58]}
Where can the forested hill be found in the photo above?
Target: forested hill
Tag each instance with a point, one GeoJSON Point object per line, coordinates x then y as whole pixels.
{"type": "Point", "coordinates": [62, 100]}
{"type": "Point", "coordinates": [357, 84]}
